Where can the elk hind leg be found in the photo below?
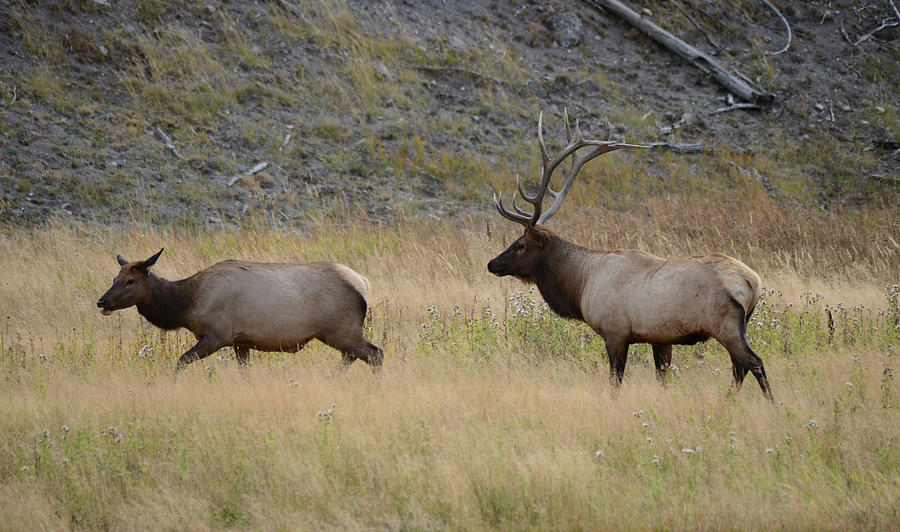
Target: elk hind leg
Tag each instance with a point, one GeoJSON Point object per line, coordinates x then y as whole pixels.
{"type": "Point", "coordinates": [662, 357]}
{"type": "Point", "coordinates": [354, 347]}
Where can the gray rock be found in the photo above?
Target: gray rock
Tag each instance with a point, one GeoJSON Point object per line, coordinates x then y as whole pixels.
{"type": "Point", "coordinates": [566, 28]}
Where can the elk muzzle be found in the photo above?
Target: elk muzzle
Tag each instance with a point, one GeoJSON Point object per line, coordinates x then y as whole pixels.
{"type": "Point", "coordinates": [493, 268]}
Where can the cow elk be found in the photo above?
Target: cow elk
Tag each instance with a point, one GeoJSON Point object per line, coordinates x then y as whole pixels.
{"type": "Point", "coordinates": [629, 296]}
{"type": "Point", "coordinates": [251, 305]}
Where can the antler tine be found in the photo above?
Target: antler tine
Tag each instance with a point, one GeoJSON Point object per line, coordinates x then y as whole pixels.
{"type": "Point", "coordinates": [526, 197]}
{"type": "Point", "coordinates": [600, 147]}
{"type": "Point", "coordinates": [575, 141]}
{"type": "Point", "coordinates": [544, 156]}
{"type": "Point", "coordinates": [579, 138]}
{"type": "Point", "coordinates": [523, 219]}
{"type": "Point", "coordinates": [559, 197]}
{"type": "Point", "coordinates": [606, 126]}
{"type": "Point", "coordinates": [519, 210]}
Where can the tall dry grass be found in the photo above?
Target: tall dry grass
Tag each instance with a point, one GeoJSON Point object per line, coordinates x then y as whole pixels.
{"type": "Point", "coordinates": [489, 413]}
{"type": "Point", "coordinates": [433, 444]}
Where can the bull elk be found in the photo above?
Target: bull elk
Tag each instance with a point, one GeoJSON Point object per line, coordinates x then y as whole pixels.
{"type": "Point", "coordinates": [251, 305]}
{"type": "Point", "coordinates": [628, 296]}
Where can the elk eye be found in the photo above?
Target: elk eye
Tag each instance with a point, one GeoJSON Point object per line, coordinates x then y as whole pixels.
{"type": "Point", "coordinates": [129, 282]}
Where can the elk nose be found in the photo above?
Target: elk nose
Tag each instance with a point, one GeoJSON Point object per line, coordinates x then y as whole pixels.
{"type": "Point", "coordinates": [101, 302]}
{"type": "Point", "coordinates": [492, 267]}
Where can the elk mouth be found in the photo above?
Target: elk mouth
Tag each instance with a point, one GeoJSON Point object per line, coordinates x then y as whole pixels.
{"type": "Point", "coordinates": [105, 307]}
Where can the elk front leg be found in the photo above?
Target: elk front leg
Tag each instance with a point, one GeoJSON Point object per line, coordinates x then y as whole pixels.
{"type": "Point", "coordinates": [743, 360]}
{"type": "Point", "coordinates": [739, 373]}
{"type": "Point", "coordinates": [617, 350]}
{"type": "Point", "coordinates": [662, 357]}
{"type": "Point", "coordinates": [206, 346]}
{"type": "Point", "coordinates": [243, 355]}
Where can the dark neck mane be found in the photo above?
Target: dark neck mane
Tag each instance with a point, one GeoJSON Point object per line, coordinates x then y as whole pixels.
{"type": "Point", "coordinates": [168, 302]}
{"type": "Point", "coordinates": [561, 279]}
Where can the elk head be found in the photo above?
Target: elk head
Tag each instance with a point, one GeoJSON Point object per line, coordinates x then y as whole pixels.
{"type": "Point", "coordinates": [523, 257]}
{"type": "Point", "coordinates": [130, 286]}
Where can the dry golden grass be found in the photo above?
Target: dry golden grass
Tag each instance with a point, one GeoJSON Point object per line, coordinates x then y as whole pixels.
{"type": "Point", "coordinates": [469, 425]}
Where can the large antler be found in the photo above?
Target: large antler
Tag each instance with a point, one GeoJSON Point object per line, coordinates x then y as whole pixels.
{"type": "Point", "coordinates": [599, 148]}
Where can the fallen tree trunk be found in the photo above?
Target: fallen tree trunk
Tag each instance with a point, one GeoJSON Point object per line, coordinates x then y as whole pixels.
{"type": "Point", "coordinates": [687, 52]}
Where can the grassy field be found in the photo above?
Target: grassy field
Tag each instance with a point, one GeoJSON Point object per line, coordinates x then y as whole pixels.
{"type": "Point", "coordinates": [490, 412]}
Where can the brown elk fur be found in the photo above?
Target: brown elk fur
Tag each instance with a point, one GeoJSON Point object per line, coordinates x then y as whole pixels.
{"type": "Point", "coordinates": [634, 297]}
{"type": "Point", "coordinates": [251, 305]}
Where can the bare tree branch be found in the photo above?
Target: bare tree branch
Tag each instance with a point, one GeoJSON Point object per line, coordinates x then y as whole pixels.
{"type": "Point", "coordinates": [251, 171]}
{"type": "Point", "coordinates": [871, 34]}
{"type": "Point", "coordinates": [287, 138]}
{"type": "Point", "coordinates": [735, 107]}
{"type": "Point", "coordinates": [786, 25]}
{"type": "Point", "coordinates": [697, 147]}
{"type": "Point", "coordinates": [844, 32]}
{"type": "Point", "coordinates": [886, 23]}
{"type": "Point", "coordinates": [168, 143]}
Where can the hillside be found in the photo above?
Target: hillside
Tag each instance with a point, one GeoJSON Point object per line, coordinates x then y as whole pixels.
{"type": "Point", "coordinates": [421, 108]}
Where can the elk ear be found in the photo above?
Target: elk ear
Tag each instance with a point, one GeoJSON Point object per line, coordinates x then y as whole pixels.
{"type": "Point", "coordinates": [536, 235]}
{"type": "Point", "coordinates": [122, 260]}
{"type": "Point", "coordinates": [151, 261]}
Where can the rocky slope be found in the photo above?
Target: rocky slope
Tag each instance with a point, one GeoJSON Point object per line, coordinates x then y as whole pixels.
{"type": "Point", "coordinates": [418, 107]}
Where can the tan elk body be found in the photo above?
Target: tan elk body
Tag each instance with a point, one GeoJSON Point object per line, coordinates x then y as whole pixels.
{"type": "Point", "coordinates": [251, 305]}
{"type": "Point", "coordinates": [630, 296]}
